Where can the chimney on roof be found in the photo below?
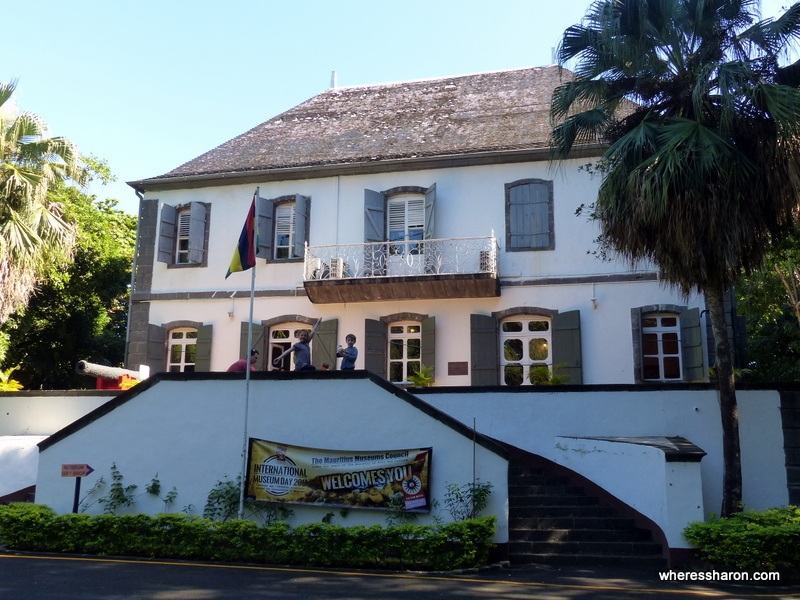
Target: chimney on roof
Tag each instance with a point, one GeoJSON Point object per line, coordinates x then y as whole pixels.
{"type": "Point", "coordinates": [333, 80]}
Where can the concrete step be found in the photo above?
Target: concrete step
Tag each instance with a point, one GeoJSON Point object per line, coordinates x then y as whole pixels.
{"type": "Point", "coordinates": [586, 548]}
{"type": "Point", "coordinates": [581, 535]}
{"type": "Point", "coordinates": [634, 562]}
{"type": "Point", "coordinates": [551, 500]}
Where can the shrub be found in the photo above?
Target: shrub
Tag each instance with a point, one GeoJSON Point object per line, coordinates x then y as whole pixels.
{"type": "Point", "coordinates": [177, 535]}
{"type": "Point", "coordinates": [751, 541]}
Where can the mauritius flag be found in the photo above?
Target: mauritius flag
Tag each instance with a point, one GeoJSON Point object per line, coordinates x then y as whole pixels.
{"type": "Point", "coordinates": [244, 256]}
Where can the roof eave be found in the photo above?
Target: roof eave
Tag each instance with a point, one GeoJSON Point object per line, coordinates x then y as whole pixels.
{"type": "Point", "coordinates": [356, 168]}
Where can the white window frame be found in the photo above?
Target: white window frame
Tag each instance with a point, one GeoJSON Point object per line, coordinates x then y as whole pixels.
{"type": "Point", "coordinates": [525, 336]}
{"type": "Point", "coordinates": [669, 351]}
{"type": "Point", "coordinates": [277, 345]}
{"type": "Point", "coordinates": [182, 237]}
{"type": "Point", "coordinates": [184, 337]}
{"type": "Point", "coordinates": [401, 340]}
{"type": "Point", "coordinates": [284, 228]}
{"type": "Point", "coordinates": [405, 221]}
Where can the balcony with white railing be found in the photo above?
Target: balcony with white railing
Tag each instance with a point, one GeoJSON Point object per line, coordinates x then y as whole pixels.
{"type": "Point", "coordinates": [416, 269]}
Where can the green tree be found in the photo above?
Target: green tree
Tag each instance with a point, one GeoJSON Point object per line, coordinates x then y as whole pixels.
{"type": "Point", "coordinates": [80, 312]}
{"type": "Point", "coordinates": [770, 300]}
{"type": "Point", "coordinates": [702, 156]}
{"type": "Point", "coordinates": [33, 232]}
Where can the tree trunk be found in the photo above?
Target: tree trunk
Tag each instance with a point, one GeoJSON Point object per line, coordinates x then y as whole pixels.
{"type": "Point", "coordinates": [728, 407]}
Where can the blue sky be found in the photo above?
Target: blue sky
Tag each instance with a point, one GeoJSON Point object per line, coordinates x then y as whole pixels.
{"type": "Point", "coordinates": [150, 84]}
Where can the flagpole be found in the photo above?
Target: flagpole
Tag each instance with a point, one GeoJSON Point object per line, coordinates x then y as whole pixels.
{"type": "Point", "coordinates": [245, 438]}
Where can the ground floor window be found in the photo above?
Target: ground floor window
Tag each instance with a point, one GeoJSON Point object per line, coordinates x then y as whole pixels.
{"type": "Point", "coordinates": [661, 347]}
{"type": "Point", "coordinates": [182, 350]}
{"type": "Point", "coordinates": [405, 350]}
{"type": "Point", "coordinates": [525, 344]}
{"type": "Point", "coordinates": [281, 338]}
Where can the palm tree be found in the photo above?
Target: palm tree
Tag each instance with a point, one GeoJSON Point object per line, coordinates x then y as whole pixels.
{"type": "Point", "coordinates": [701, 164]}
{"type": "Point", "coordinates": [33, 234]}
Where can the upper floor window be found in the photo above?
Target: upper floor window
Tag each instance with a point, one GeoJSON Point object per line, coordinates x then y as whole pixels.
{"type": "Point", "coordinates": [284, 230]}
{"type": "Point", "coordinates": [402, 215]}
{"type": "Point", "coordinates": [405, 222]}
{"type": "Point", "coordinates": [182, 350]}
{"type": "Point", "coordinates": [183, 234]}
{"type": "Point", "coordinates": [282, 227]}
{"type": "Point", "coordinates": [526, 343]}
{"type": "Point", "coordinates": [399, 214]}
{"type": "Point", "coordinates": [529, 215]}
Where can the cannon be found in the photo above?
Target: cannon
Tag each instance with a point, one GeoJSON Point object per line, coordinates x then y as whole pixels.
{"type": "Point", "coordinates": [108, 378]}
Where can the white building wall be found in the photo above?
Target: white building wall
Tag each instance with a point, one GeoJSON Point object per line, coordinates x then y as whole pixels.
{"type": "Point", "coordinates": [470, 202]}
{"type": "Point", "coordinates": [540, 418]}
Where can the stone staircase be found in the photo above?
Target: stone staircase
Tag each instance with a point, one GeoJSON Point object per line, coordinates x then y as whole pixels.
{"type": "Point", "coordinates": [556, 523]}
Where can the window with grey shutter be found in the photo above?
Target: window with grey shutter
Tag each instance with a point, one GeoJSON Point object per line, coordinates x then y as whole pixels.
{"type": "Point", "coordinates": [301, 206]}
{"type": "Point", "coordinates": [374, 234]}
{"type": "Point", "coordinates": [203, 350]}
{"type": "Point", "coordinates": [264, 228]}
{"type": "Point", "coordinates": [429, 345]}
{"type": "Point", "coordinates": [484, 344]}
{"type": "Point", "coordinates": [692, 346]}
{"type": "Point", "coordinates": [183, 234]}
{"type": "Point", "coordinates": [197, 232]}
{"type": "Point", "coordinates": [167, 233]}
{"type": "Point", "coordinates": [323, 346]}
{"type": "Point", "coordinates": [375, 345]}
{"type": "Point", "coordinates": [529, 215]}
{"type": "Point", "coordinates": [156, 348]}
{"type": "Point", "coordinates": [567, 345]}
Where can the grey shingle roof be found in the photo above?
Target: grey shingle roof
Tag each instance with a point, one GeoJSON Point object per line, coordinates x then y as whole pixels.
{"type": "Point", "coordinates": [452, 116]}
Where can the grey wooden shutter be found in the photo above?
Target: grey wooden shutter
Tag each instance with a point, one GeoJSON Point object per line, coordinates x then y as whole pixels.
{"type": "Point", "coordinates": [375, 343]}
{"type": "Point", "coordinates": [374, 217]}
{"type": "Point", "coordinates": [166, 235]}
{"type": "Point", "coordinates": [529, 216]}
{"type": "Point", "coordinates": [692, 346]}
{"type": "Point", "coordinates": [264, 232]}
{"type": "Point", "coordinates": [323, 345]}
{"type": "Point", "coordinates": [567, 345]}
{"type": "Point", "coordinates": [156, 348]}
{"type": "Point", "coordinates": [301, 206]}
{"type": "Point", "coordinates": [636, 329]}
{"type": "Point", "coordinates": [257, 343]}
{"type": "Point", "coordinates": [540, 215]}
{"type": "Point", "coordinates": [202, 359]}
{"type": "Point", "coordinates": [430, 204]}
{"type": "Point", "coordinates": [484, 349]}
{"type": "Point", "coordinates": [198, 214]}
{"type": "Point", "coordinates": [429, 344]}
{"type": "Point", "coordinates": [374, 233]}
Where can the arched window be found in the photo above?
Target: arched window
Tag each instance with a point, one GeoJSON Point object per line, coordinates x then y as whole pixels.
{"type": "Point", "coordinates": [182, 350]}
{"type": "Point", "coordinates": [281, 338]}
{"type": "Point", "coordinates": [405, 350]}
{"type": "Point", "coordinates": [525, 343]}
{"type": "Point", "coordinates": [661, 347]}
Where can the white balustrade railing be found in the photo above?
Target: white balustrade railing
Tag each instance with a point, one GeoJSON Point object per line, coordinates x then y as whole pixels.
{"type": "Point", "coordinates": [445, 256]}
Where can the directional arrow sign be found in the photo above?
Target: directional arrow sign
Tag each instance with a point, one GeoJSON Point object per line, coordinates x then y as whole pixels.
{"type": "Point", "coordinates": [75, 470]}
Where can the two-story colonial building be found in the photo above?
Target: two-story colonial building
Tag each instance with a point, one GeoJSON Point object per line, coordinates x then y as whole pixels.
{"type": "Point", "coordinates": [424, 217]}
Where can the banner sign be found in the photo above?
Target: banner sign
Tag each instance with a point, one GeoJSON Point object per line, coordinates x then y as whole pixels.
{"type": "Point", "coordinates": [378, 479]}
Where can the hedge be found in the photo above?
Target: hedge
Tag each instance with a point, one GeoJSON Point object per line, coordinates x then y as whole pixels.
{"type": "Point", "coordinates": [33, 527]}
{"type": "Point", "coordinates": [751, 541]}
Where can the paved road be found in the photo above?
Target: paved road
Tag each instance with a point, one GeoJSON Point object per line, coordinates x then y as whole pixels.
{"type": "Point", "coordinates": [58, 577]}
